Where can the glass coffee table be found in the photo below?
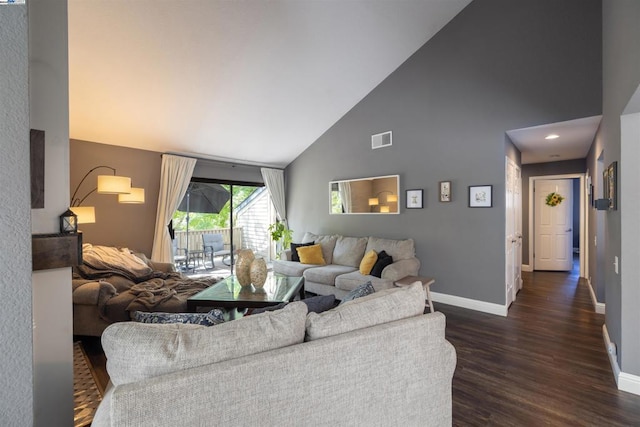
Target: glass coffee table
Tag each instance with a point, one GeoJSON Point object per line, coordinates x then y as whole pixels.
{"type": "Point", "coordinates": [228, 293]}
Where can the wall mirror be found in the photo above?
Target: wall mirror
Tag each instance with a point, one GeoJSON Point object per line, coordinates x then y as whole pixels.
{"type": "Point", "coordinates": [375, 195]}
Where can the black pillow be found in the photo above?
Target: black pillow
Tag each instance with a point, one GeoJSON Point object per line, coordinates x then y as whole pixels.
{"type": "Point", "coordinates": [381, 263]}
{"type": "Point", "coordinates": [294, 250]}
{"type": "Point", "coordinates": [316, 304]}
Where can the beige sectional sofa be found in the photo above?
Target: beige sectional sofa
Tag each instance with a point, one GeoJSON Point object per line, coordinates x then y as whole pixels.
{"type": "Point", "coordinates": [343, 255]}
{"type": "Point", "coordinates": [373, 361]}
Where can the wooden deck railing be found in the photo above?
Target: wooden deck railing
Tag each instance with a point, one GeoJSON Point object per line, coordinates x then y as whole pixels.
{"type": "Point", "coordinates": [195, 237]}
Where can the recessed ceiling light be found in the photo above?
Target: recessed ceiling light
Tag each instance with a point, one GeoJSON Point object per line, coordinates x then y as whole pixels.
{"type": "Point", "coordinates": [552, 136]}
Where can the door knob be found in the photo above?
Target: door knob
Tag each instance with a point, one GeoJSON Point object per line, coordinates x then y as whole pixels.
{"type": "Point", "coordinates": [569, 230]}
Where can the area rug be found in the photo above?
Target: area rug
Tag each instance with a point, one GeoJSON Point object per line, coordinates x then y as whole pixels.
{"type": "Point", "coordinates": [86, 395]}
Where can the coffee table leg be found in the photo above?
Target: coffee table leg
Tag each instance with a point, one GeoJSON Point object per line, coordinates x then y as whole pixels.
{"type": "Point", "coordinates": [302, 294]}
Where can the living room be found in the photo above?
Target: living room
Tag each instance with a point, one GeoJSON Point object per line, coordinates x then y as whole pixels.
{"type": "Point", "coordinates": [495, 67]}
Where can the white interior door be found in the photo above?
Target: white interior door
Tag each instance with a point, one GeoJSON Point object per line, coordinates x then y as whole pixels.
{"type": "Point", "coordinates": [513, 231]}
{"type": "Point", "coordinates": [553, 226]}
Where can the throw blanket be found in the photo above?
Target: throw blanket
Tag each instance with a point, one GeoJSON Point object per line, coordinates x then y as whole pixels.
{"type": "Point", "coordinates": [156, 292]}
{"type": "Point", "coordinates": [101, 261]}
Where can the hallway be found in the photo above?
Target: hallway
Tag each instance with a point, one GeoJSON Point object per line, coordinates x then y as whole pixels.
{"type": "Point", "coordinates": [544, 364]}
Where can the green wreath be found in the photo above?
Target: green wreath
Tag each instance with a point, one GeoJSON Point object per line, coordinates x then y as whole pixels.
{"type": "Point", "coordinates": [554, 199]}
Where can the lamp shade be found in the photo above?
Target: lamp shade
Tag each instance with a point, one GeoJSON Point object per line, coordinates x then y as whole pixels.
{"type": "Point", "coordinates": [136, 196]}
{"type": "Point", "coordinates": [113, 184]}
{"type": "Point", "coordinates": [373, 201]}
{"type": "Point", "coordinates": [384, 208]}
{"type": "Point", "coordinates": [392, 198]}
{"type": "Point", "coordinates": [86, 214]}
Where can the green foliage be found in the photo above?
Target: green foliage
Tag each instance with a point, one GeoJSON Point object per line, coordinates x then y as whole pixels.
{"type": "Point", "coordinates": [281, 235]}
{"type": "Point", "coordinates": [208, 221]}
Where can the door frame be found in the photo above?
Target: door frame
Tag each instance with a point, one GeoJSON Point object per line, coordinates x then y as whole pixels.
{"type": "Point", "coordinates": [584, 268]}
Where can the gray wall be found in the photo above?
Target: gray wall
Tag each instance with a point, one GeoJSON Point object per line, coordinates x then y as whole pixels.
{"type": "Point", "coordinates": [543, 169]}
{"type": "Point", "coordinates": [621, 76]}
{"type": "Point", "coordinates": [498, 65]}
{"type": "Point", "coordinates": [48, 111]}
{"type": "Point", "coordinates": [16, 372]}
{"type": "Point", "coordinates": [117, 224]}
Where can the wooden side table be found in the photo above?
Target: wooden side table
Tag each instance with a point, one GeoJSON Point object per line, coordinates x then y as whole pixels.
{"type": "Point", "coordinates": [426, 283]}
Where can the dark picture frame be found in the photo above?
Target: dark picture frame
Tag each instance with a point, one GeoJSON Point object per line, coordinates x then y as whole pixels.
{"type": "Point", "coordinates": [610, 185]}
{"type": "Point", "coordinates": [414, 199]}
{"type": "Point", "coordinates": [481, 196]}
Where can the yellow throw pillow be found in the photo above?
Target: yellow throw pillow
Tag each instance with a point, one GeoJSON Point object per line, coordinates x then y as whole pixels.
{"type": "Point", "coordinates": [311, 255]}
{"type": "Point", "coordinates": [368, 262]}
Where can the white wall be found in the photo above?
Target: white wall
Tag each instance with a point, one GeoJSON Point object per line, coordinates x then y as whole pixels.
{"type": "Point", "coordinates": [16, 402]}
{"type": "Point", "coordinates": [52, 305]}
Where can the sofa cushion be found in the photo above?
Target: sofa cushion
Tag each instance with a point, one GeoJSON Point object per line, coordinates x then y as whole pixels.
{"type": "Point", "coordinates": [294, 250]}
{"type": "Point", "coordinates": [368, 261]}
{"type": "Point", "coordinates": [398, 249]}
{"type": "Point", "coordinates": [311, 255]}
{"type": "Point", "coordinates": [350, 281]}
{"type": "Point", "coordinates": [136, 351]}
{"type": "Point", "coordinates": [289, 268]}
{"type": "Point", "coordinates": [382, 261]}
{"type": "Point", "coordinates": [326, 274]}
{"type": "Point", "coordinates": [381, 307]}
{"type": "Point", "coordinates": [213, 317]}
{"type": "Point", "coordinates": [349, 251]}
{"type": "Point", "coordinates": [359, 292]}
{"type": "Point", "coordinates": [316, 304]}
{"type": "Point", "coordinates": [327, 243]}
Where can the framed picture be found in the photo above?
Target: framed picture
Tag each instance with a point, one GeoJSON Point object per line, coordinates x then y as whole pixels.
{"type": "Point", "coordinates": [611, 185]}
{"type": "Point", "coordinates": [414, 199]}
{"type": "Point", "coordinates": [480, 196]}
{"type": "Point", "coordinates": [445, 191]}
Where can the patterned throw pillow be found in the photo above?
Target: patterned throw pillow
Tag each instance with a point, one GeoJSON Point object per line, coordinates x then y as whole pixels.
{"type": "Point", "coordinates": [214, 317]}
{"type": "Point", "coordinates": [361, 291]}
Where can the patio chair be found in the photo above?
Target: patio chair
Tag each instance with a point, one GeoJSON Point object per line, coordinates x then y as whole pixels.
{"type": "Point", "coordinates": [213, 246]}
{"type": "Point", "coordinates": [179, 256]}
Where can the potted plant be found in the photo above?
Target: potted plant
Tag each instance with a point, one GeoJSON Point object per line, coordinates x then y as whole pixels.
{"type": "Point", "coordinates": [281, 235]}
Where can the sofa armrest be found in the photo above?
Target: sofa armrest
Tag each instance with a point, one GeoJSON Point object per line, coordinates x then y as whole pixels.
{"type": "Point", "coordinates": [93, 293]}
{"type": "Point", "coordinates": [402, 268]}
{"type": "Point", "coordinates": [287, 254]}
{"type": "Point", "coordinates": [165, 267]}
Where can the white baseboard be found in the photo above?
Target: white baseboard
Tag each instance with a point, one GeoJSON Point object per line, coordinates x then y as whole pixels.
{"type": "Point", "coordinates": [629, 383]}
{"type": "Point", "coordinates": [611, 352]}
{"type": "Point", "coordinates": [527, 267]}
{"type": "Point", "coordinates": [626, 382]}
{"type": "Point", "coordinates": [599, 307]}
{"type": "Point", "coordinates": [471, 304]}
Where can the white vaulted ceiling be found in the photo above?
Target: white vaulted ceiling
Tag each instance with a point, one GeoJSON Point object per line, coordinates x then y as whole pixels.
{"type": "Point", "coordinates": [251, 81]}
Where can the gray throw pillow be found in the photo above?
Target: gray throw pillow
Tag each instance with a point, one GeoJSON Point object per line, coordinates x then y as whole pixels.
{"type": "Point", "coordinates": [361, 291]}
{"type": "Point", "coordinates": [214, 317]}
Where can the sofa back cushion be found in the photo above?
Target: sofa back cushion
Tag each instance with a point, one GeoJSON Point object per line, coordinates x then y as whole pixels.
{"type": "Point", "coordinates": [136, 351]}
{"type": "Point", "coordinates": [349, 251]}
{"type": "Point", "coordinates": [398, 249]}
{"type": "Point", "coordinates": [328, 243]}
{"type": "Point", "coordinates": [381, 307]}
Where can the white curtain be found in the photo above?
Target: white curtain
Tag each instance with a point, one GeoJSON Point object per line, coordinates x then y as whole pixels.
{"type": "Point", "coordinates": [174, 180]}
{"type": "Point", "coordinates": [344, 189]}
{"type": "Point", "coordinates": [274, 180]}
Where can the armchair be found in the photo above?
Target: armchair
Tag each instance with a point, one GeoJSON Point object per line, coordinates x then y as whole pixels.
{"type": "Point", "coordinates": [213, 246]}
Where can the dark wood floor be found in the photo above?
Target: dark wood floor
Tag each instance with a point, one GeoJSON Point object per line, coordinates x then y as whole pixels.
{"type": "Point", "coordinates": [544, 364]}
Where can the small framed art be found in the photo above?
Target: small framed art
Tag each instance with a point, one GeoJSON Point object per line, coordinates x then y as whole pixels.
{"type": "Point", "coordinates": [414, 199]}
{"type": "Point", "coordinates": [480, 196]}
{"type": "Point", "coordinates": [445, 191]}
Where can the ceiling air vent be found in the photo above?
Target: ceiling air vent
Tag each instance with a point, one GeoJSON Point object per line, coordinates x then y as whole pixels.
{"type": "Point", "coordinates": [380, 140]}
